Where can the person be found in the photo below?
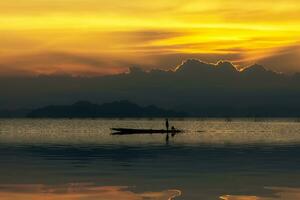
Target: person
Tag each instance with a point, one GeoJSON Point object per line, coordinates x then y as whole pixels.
{"type": "Point", "coordinates": [167, 124]}
{"type": "Point", "coordinates": [173, 129]}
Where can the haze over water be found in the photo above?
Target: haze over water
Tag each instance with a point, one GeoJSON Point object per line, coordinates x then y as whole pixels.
{"type": "Point", "coordinates": [213, 159]}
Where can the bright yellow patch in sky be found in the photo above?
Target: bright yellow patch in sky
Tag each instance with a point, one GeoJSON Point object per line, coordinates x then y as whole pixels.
{"type": "Point", "coordinates": [107, 36]}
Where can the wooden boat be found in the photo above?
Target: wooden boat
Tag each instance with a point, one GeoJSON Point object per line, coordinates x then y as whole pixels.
{"type": "Point", "coordinates": [130, 131]}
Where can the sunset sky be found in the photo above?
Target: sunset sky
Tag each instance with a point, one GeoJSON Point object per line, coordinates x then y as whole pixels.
{"type": "Point", "coordinates": [96, 37]}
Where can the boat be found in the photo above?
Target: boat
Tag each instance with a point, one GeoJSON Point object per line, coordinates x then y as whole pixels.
{"type": "Point", "coordinates": [130, 131]}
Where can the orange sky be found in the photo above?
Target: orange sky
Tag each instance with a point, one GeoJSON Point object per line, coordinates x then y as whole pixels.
{"type": "Point", "coordinates": [90, 37]}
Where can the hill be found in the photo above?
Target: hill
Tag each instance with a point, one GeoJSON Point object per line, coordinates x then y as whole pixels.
{"type": "Point", "coordinates": [84, 109]}
{"type": "Point", "coordinates": [195, 87]}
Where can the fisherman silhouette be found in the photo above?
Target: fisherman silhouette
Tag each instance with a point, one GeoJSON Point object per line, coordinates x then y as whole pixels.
{"type": "Point", "coordinates": [167, 125]}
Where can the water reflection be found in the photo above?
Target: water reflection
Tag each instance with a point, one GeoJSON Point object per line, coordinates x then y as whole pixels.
{"type": "Point", "coordinates": [231, 161]}
{"type": "Point", "coordinates": [200, 172]}
{"type": "Point", "coordinates": [88, 191]}
{"type": "Point", "coordinates": [64, 131]}
{"type": "Point", "coordinates": [80, 192]}
{"type": "Point", "coordinates": [278, 194]}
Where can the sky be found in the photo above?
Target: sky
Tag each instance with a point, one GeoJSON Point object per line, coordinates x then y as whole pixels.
{"type": "Point", "coordinates": [98, 37]}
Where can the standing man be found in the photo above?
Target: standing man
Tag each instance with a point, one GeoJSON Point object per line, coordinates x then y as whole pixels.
{"type": "Point", "coordinates": [167, 124]}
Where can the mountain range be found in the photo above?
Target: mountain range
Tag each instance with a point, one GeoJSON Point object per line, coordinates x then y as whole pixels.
{"type": "Point", "coordinates": [195, 87]}
{"type": "Point", "coordinates": [85, 109]}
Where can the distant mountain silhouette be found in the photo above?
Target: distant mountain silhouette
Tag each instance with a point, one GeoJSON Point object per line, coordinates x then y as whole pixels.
{"type": "Point", "coordinates": [85, 109]}
{"type": "Point", "coordinates": [18, 113]}
{"type": "Point", "coordinates": [196, 87]}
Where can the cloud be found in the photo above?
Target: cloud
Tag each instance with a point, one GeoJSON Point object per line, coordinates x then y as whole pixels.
{"type": "Point", "coordinates": [51, 63]}
{"type": "Point", "coordinates": [284, 59]}
{"type": "Point", "coordinates": [62, 63]}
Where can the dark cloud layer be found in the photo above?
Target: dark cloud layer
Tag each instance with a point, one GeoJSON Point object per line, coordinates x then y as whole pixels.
{"type": "Point", "coordinates": [284, 60]}
{"type": "Point", "coordinates": [195, 86]}
{"type": "Point", "coordinates": [94, 65]}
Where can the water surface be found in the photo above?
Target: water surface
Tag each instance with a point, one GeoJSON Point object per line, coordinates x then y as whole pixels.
{"type": "Point", "coordinates": [213, 159]}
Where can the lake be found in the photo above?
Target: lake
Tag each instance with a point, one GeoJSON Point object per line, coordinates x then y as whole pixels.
{"type": "Point", "coordinates": [73, 159]}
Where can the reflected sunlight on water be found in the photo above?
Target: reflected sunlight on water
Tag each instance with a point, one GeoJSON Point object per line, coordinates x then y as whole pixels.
{"type": "Point", "coordinates": [80, 192]}
{"type": "Point", "coordinates": [278, 194]}
{"type": "Point", "coordinates": [76, 131]}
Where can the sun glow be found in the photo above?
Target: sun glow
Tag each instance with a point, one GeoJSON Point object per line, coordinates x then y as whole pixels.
{"type": "Point", "coordinates": [132, 32]}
